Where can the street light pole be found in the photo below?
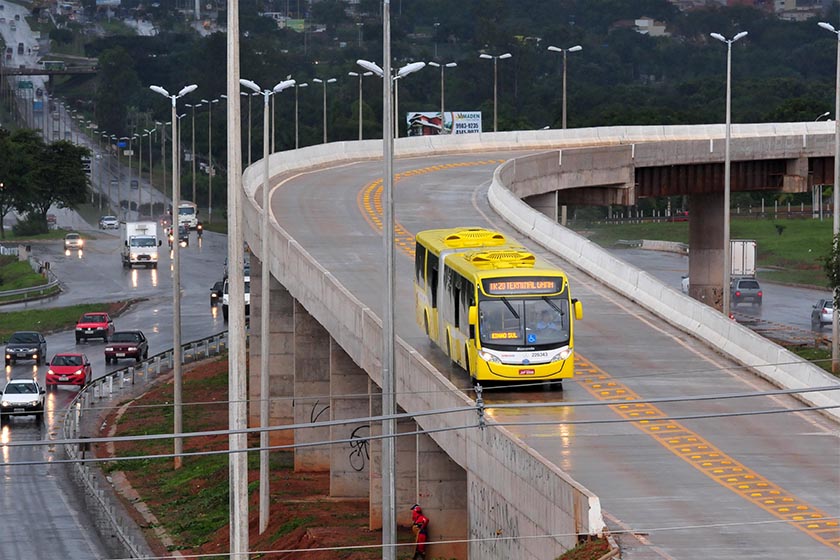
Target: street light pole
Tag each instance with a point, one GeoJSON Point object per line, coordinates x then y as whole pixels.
{"type": "Point", "coordinates": [176, 277]}
{"type": "Point", "coordinates": [297, 86]}
{"type": "Point", "coordinates": [495, 59]}
{"type": "Point", "coordinates": [360, 75]}
{"type": "Point", "coordinates": [192, 149]}
{"type": "Point", "coordinates": [325, 82]}
{"type": "Point", "coordinates": [210, 156]}
{"type": "Point", "coordinates": [564, 51]}
{"type": "Point", "coordinates": [835, 322]}
{"type": "Point", "coordinates": [151, 174]}
{"type": "Point", "coordinates": [727, 258]}
{"type": "Point", "coordinates": [389, 400]}
{"type": "Point", "coordinates": [442, 96]}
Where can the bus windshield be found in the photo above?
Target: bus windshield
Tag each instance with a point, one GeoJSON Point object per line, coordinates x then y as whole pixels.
{"type": "Point", "coordinates": [186, 211]}
{"type": "Point", "coordinates": [517, 322]}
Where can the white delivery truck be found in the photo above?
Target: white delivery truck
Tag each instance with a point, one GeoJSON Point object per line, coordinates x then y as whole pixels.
{"type": "Point", "coordinates": [742, 253]}
{"type": "Point", "coordinates": [139, 243]}
{"type": "Point", "coordinates": [188, 214]}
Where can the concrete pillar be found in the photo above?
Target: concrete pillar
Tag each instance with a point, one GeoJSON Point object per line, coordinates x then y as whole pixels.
{"type": "Point", "coordinates": [545, 203]}
{"type": "Point", "coordinates": [311, 390]}
{"type": "Point", "coordinates": [705, 257]}
{"type": "Point", "coordinates": [406, 451]}
{"type": "Point", "coordinates": [281, 364]}
{"type": "Point", "coordinates": [442, 493]}
{"type": "Point", "coordinates": [349, 398]}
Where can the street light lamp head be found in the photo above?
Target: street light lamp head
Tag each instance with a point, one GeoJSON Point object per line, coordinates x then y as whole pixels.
{"type": "Point", "coordinates": [506, 55]}
{"type": "Point", "coordinates": [740, 35]}
{"type": "Point", "coordinates": [828, 26]}
{"type": "Point", "coordinates": [331, 81]}
{"type": "Point", "coordinates": [719, 37]}
{"type": "Point", "coordinates": [250, 85]}
{"type": "Point", "coordinates": [354, 74]}
{"type": "Point", "coordinates": [451, 64]}
{"type": "Point", "coordinates": [410, 68]}
{"type": "Point", "coordinates": [160, 90]}
{"type": "Point", "coordinates": [576, 48]}
{"type": "Point", "coordinates": [304, 84]}
{"type": "Point", "coordinates": [283, 85]}
{"type": "Point", "coordinates": [435, 64]}
{"type": "Point", "coordinates": [187, 89]}
{"type": "Point", "coordinates": [371, 66]}
{"type": "Point", "coordinates": [317, 80]}
{"type": "Point", "coordinates": [482, 55]}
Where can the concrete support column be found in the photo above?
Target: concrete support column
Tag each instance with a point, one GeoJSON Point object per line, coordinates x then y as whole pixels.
{"type": "Point", "coordinates": [406, 491]}
{"type": "Point", "coordinates": [442, 493]}
{"type": "Point", "coordinates": [281, 363]}
{"type": "Point", "coordinates": [349, 398]}
{"type": "Point", "coordinates": [544, 203]}
{"type": "Point", "coordinates": [705, 237]}
{"type": "Point", "coordinates": [311, 390]}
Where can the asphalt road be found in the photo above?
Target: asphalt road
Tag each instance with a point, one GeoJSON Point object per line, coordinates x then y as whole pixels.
{"type": "Point", "coordinates": [647, 484]}
{"type": "Point", "coordinates": [38, 501]}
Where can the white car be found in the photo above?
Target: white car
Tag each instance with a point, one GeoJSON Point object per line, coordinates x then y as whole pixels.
{"type": "Point", "coordinates": [109, 222]}
{"type": "Point", "coordinates": [21, 397]}
{"type": "Point", "coordinates": [73, 241]}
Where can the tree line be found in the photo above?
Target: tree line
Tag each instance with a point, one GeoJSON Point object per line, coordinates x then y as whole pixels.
{"type": "Point", "coordinates": [35, 176]}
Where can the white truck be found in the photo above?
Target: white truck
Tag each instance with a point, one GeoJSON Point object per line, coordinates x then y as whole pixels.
{"type": "Point", "coordinates": [140, 244]}
{"type": "Point", "coordinates": [742, 254]}
{"type": "Point", "coordinates": [188, 214]}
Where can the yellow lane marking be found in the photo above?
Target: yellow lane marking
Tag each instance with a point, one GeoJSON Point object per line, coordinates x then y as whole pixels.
{"type": "Point", "coordinates": [369, 200]}
{"type": "Point", "coordinates": [705, 457]}
{"type": "Point", "coordinates": [673, 436]}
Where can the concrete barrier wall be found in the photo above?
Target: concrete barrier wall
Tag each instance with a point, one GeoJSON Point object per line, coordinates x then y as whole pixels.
{"type": "Point", "coordinates": [512, 489]}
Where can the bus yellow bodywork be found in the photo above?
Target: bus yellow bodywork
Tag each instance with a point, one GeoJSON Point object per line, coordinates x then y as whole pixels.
{"type": "Point", "coordinates": [497, 310]}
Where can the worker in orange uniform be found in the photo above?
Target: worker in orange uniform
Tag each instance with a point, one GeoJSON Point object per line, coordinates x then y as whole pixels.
{"type": "Point", "coordinates": [420, 527]}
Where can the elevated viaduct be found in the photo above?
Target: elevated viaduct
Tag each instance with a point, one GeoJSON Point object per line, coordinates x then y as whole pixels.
{"type": "Point", "coordinates": [485, 485]}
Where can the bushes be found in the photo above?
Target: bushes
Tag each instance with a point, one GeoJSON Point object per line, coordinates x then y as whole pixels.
{"type": "Point", "coordinates": [33, 224]}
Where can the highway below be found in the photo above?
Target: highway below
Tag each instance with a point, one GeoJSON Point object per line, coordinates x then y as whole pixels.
{"type": "Point", "coordinates": [721, 487]}
{"type": "Point", "coordinates": [39, 501]}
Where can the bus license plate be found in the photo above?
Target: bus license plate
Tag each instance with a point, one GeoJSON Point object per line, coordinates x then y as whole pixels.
{"type": "Point", "coordinates": [526, 372]}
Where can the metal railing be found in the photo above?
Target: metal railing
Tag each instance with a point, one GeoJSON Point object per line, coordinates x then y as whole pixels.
{"type": "Point", "coordinates": [112, 519]}
{"type": "Point", "coordinates": [33, 292]}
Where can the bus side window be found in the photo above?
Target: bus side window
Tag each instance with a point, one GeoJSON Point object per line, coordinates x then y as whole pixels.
{"type": "Point", "coordinates": [420, 265]}
{"type": "Point", "coordinates": [432, 275]}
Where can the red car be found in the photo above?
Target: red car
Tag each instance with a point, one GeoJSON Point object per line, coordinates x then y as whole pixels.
{"type": "Point", "coordinates": [127, 344]}
{"type": "Point", "coordinates": [94, 325]}
{"type": "Point", "coordinates": [68, 369]}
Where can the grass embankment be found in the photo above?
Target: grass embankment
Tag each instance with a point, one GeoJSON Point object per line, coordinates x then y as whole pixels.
{"type": "Point", "coordinates": [11, 239]}
{"type": "Point", "coordinates": [15, 275]}
{"type": "Point", "coordinates": [792, 256]}
{"type": "Point", "coordinates": [53, 319]}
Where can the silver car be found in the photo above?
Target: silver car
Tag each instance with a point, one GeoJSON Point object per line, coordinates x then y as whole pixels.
{"type": "Point", "coordinates": [73, 241]}
{"type": "Point", "coordinates": [822, 314]}
{"type": "Point", "coordinates": [22, 396]}
{"type": "Point", "coordinates": [109, 222]}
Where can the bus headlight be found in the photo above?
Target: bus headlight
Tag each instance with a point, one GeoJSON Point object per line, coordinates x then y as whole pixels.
{"type": "Point", "coordinates": [563, 354]}
{"type": "Point", "coordinates": [488, 357]}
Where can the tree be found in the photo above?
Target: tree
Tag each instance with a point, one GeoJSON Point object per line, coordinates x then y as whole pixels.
{"type": "Point", "coordinates": [118, 84]}
{"type": "Point", "coordinates": [9, 187]}
{"type": "Point", "coordinates": [56, 180]}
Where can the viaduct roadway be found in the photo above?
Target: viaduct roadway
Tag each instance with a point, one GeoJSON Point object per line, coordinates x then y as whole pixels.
{"type": "Point", "coordinates": [730, 485]}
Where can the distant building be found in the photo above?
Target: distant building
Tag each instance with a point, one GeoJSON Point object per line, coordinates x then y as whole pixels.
{"type": "Point", "coordinates": [648, 26]}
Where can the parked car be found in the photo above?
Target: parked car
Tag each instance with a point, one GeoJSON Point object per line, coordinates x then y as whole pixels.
{"type": "Point", "coordinates": [73, 241]}
{"type": "Point", "coordinates": [743, 290]}
{"type": "Point", "coordinates": [26, 345]}
{"type": "Point", "coordinates": [109, 222]}
{"type": "Point", "coordinates": [94, 325]}
{"type": "Point", "coordinates": [22, 397]}
{"type": "Point", "coordinates": [70, 368]}
{"type": "Point", "coordinates": [127, 344]}
{"type": "Point", "coordinates": [822, 313]}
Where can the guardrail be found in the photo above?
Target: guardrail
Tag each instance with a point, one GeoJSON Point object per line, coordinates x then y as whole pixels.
{"type": "Point", "coordinates": [111, 518]}
{"type": "Point", "coordinates": [33, 292]}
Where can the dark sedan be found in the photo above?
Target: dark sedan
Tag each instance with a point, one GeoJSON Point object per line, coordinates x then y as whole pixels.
{"type": "Point", "coordinates": [26, 345]}
{"type": "Point", "coordinates": [127, 344]}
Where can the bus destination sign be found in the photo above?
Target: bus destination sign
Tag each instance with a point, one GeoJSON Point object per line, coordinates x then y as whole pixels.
{"type": "Point", "coordinates": [522, 286]}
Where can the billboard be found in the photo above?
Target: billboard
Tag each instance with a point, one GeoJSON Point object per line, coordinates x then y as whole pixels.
{"type": "Point", "coordinates": [430, 123]}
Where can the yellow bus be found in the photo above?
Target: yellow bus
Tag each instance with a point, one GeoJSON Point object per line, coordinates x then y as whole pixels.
{"type": "Point", "coordinates": [497, 310]}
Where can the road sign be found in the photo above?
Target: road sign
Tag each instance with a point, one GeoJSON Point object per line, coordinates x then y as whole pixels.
{"type": "Point", "coordinates": [128, 152]}
{"type": "Point", "coordinates": [24, 84]}
{"type": "Point", "coordinates": [122, 144]}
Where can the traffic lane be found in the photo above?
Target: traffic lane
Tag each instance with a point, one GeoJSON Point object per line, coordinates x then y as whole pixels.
{"type": "Point", "coordinates": [653, 361]}
{"type": "Point", "coordinates": [781, 304]}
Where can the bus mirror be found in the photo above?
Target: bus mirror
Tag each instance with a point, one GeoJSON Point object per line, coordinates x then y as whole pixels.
{"type": "Point", "coordinates": [578, 309]}
{"type": "Point", "coordinates": [473, 319]}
